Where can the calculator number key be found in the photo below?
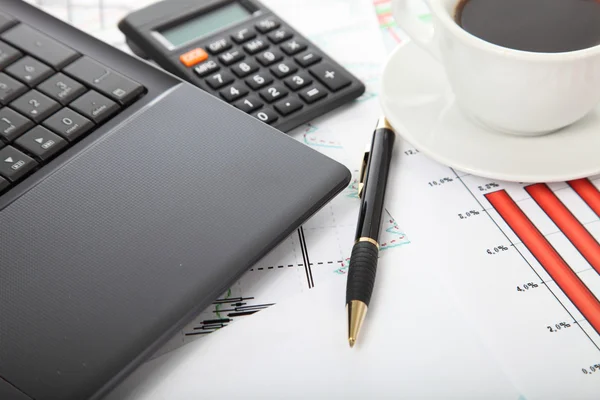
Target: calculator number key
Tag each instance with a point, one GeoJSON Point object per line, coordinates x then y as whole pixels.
{"type": "Point", "coordinates": [266, 115]}
{"type": "Point", "coordinates": [220, 79]}
{"type": "Point", "coordinates": [273, 93]}
{"type": "Point", "coordinates": [219, 46]}
{"type": "Point", "coordinates": [280, 35]}
{"type": "Point", "coordinates": [245, 68]}
{"type": "Point", "coordinates": [259, 80]}
{"type": "Point", "coordinates": [267, 25]}
{"type": "Point", "coordinates": [231, 56]}
{"type": "Point", "coordinates": [269, 57]}
{"type": "Point", "coordinates": [249, 104]}
{"type": "Point", "coordinates": [283, 69]}
{"type": "Point", "coordinates": [288, 106]}
{"type": "Point", "coordinates": [255, 46]}
{"type": "Point", "coordinates": [313, 93]}
{"type": "Point", "coordinates": [206, 68]}
{"type": "Point", "coordinates": [293, 47]}
{"type": "Point", "coordinates": [243, 35]}
{"type": "Point", "coordinates": [233, 93]}
{"type": "Point", "coordinates": [298, 81]}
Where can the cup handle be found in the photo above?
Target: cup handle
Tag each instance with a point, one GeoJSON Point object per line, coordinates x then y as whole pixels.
{"type": "Point", "coordinates": [420, 32]}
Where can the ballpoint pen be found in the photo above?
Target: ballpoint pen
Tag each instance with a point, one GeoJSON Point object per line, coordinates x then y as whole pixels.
{"type": "Point", "coordinates": [363, 260]}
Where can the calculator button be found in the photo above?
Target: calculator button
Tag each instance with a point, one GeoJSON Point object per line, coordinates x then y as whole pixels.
{"type": "Point", "coordinates": [288, 106]}
{"type": "Point", "coordinates": [298, 81]}
{"type": "Point", "coordinates": [267, 25]}
{"type": "Point", "coordinates": [293, 47]}
{"type": "Point", "coordinates": [231, 56]}
{"type": "Point", "coordinates": [10, 89]}
{"type": "Point", "coordinates": [41, 143]}
{"type": "Point", "coordinates": [94, 106]}
{"type": "Point", "coordinates": [307, 59]}
{"type": "Point", "coordinates": [8, 54]}
{"type": "Point", "coordinates": [219, 46]}
{"type": "Point", "coordinates": [206, 68]}
{"type": "Point", "coordinates": [193, 57]}
{"type": "Point", "coordinates": [29, 70]}
{"type": "Point", "coordinates": [280, 35]}
{"type": "Point", "coordinates": [61, 88]}
{"type": "Point", "coordinates": [243, 35]}
{"type": "Point", "coordinates": [35, 105]}
{"type": "Point", "coordinates": [273, 93]}
{"type": "Point", "coordinates": [266, 115]}
{"type": "Point", "coordinates": [13, 124]}
{"type": "Point", "coordinates": [255, 46]}
{"type": "Point", "coordinates": [313, 93]}
{"type": "Point", "coordinates": [105, 80]}
{"type": "Point", "coordinates": [40, 46]}
{"type": "Point", "coordinates": [245, 68]}
{"type": "Point", "coordinates": [259, 80]}
{"type": "Point", "coordinates": [249, 104]}
{"type": "Point", "coordinates": [68, 124]}
{"type": "Point", "coordinates": [329, 76]}
{"type": "Point", "coordinates": [269, 57]}
{"type": "Point", "coordinates": [6, 22]}
{"type": "Point", "coordinates": [220, 79]}
{"type": "Point", "coordinates": [14, 164]}
{"type": "Point", "coordinates": [233, 92]}
{"type": "Point", "coordinates": [283, 69]}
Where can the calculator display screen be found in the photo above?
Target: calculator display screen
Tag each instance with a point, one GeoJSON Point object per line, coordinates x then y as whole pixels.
{"type": "Point", "coordinates": [204, 24]}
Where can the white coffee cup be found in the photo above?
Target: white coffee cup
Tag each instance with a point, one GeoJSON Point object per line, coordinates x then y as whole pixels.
{"type": "Point", "coordinates": [512, 91]}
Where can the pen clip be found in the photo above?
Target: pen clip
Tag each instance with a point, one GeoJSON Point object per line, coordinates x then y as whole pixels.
{"type": "Point", "coordinates": [362, 173]}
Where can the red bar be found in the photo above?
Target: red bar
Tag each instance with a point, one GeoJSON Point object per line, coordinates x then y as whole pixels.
{"type": "Point", "coordinates": [548, 257]}
{"type": "Point", "coordinates": [567, 223]}
{"type": "Point", "coordinates": [588, 192]}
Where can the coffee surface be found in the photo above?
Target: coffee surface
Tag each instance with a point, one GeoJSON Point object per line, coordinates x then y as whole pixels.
{"type": "Point", "coordinates": [546, 26]}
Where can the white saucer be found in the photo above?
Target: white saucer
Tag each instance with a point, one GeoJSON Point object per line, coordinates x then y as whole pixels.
{"type": "Point", "coordinates": [418, 102]}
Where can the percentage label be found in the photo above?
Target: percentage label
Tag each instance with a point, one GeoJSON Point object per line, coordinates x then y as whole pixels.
{"type": "Point", "coordinates": [497, 249]}
{"type": "Point", "coordinates": [441, 181]}
{"type": "Point", "coordinates": [558, 327]}
{"type": "Point", "coordinates": [591, 369]}
{"type": "Point", "coordinates": [468, 214]}
{"type": "Point", "coordinates": [527, 286]}
{"type": "Point", "coordinates": [411, 152]}
{"type": "Point", "coordinates": [487, 186]}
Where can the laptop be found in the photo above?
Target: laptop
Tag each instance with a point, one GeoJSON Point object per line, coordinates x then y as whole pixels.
{"type": "Point", "coordinates": [129, 201]}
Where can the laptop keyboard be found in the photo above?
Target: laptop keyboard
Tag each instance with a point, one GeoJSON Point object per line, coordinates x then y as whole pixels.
{"type": "Point", "coordinates": [50, 97]}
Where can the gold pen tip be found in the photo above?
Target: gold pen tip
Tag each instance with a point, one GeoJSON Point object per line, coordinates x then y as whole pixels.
{"type": "Point", "coordinates": [351, 342]}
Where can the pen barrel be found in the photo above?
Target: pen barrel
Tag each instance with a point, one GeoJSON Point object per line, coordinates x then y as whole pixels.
{"type": "Point", "coordinates": [362, 271]}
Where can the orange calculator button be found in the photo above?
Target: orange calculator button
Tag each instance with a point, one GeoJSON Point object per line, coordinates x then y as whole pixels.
{"type": "Point", "coordinates": [193, 57]}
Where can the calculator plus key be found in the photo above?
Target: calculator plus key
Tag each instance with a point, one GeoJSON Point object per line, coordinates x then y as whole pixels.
{"type": "Point", "coordinates": [219, 46]}
{"type": "Point", "coordinates": [313, 93]}
{"type": "Point", "coordinates": [280, 35]}
{"type": "Point", "coordinates": [298, 81]}
{"type": "Point", "coordinates": [14, 164]}
{"type": "Point", "coordinates": [220, 79]}
{"type": "Point", "coordinates": [283, 69]}
{"type": "Point", "coordinates": [307, 59]}
{"type": "Point", "coordinates": [10, 88]}
{"type": "Point", "coordinates": [68, 124]}
{"type": "Point", "coordinates": [249, 104]}
{"type": "Point", "coordinates": [273, 92]}
{"type": "Point", "coordinates": [8, 54]}
{"type": "Point", "coordinates": [35, 105]}
{"type": "Point", "coordinates": [29, 70]}
{"type": "Point", "coordinates": [13, 124]}
{"type": "Point", "coordinates": [288, 106]}
{"type": "Point", "coordinates": [328, 75]}
{"type": "Point", "coordinates": [269, 57]}
{"type": "Point", "coordinates": [233, 92]}
{"type": "Point", "coordinates": [293, 47]}
{"type": "Point", "coordinates": [231, 56]}
{"type": "Point", "coordinates": [245, 68]}
{"type": "Point", "coordinates": [40, 46]}
{"type": "Point", "coordinates": [255, 46]}
{"type": "Point", "coordinates": [267, 25]}
{"type": "Point", "coordinates": [41, 143]}
{"type": "Point", "coordinates": [266, 115]}
{"type": "Point", "coordinates": [105, 80]}
{"type": "Point", "coordinates": [62, 88]}
{"type": "Point", "coordinates": [94, 106]}
{"type": "Point", "coordinates": [206, 68]}
{"type": "Point", "coordinates": [259, 80]}
{"type": "Point", "coordinates": [243, 35]}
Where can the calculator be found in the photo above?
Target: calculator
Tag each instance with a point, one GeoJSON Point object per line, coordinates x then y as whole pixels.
{"type": "Point", "coordinates": [243, 53]}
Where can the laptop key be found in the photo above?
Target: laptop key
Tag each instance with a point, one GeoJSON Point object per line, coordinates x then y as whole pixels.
{"type": "Point", "coordinates": [29, 70]}
{"type": "Point", "coordinates": [41, 143]}
{"type": "Point", "coordinates": [14, 164]}
{"type": "Point", "coordinates": [35, 105]}
{"type": "Point", "coordinates": [4, 184]}
{"type": "Point", "coordinates": [8, 54]}
{"type": "Point", "coordinates": [13, 124]}
{"type": "Point", "coordinates": [68, 124]}
{"type": "Point", "coordinates": [94, 106]}
{"type": "Point", "coordinates": [10, 88]}
{"type": "Point", "coordinates": [62, 88]}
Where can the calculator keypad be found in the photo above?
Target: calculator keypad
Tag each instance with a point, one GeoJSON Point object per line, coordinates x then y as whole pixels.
{"type": "Point", "coordinates": [50, 96]}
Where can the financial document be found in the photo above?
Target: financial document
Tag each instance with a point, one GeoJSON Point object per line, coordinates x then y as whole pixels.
{"type": "Point", "coordinates": [521, 262]}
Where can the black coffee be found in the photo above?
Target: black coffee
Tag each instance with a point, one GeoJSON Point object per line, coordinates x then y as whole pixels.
{"type": "Point", "coordinates": [545, 26]}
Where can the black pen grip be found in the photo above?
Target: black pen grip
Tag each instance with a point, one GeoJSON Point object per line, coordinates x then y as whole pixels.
{"type": "Point", "coordinates": [361, 272]}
